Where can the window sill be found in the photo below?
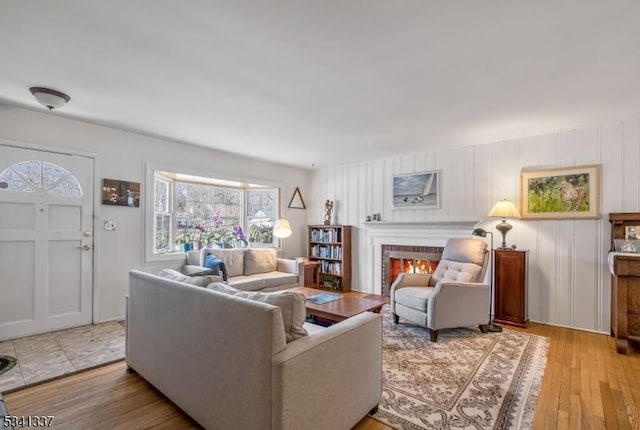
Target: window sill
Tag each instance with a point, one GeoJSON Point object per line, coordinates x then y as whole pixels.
{"type": "Point", "coordinates": [169, 256]}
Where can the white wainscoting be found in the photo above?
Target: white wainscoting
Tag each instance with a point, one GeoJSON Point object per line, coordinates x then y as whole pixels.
{"type": "Point", "coordinates": [569, 283]}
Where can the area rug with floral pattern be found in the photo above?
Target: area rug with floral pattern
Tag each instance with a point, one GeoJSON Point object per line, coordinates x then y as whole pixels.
{"type": "Point", "coordinates": [466, 379]}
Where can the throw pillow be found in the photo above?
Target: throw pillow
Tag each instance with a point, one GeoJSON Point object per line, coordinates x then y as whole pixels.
{"type": "Point", "coordinates": [259, 261]}
{"type": "Point", "coordinates": [191, 270]}
{"type": "Point", "coordinates": [196, 281]}
{"type": "Point", "coordinates": [292, 307]}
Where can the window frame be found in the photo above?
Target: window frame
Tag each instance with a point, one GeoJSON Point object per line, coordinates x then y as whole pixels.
{"type": "Point", "coordinates": [169, 214]}
{"type": "Point", "coordinates": [150, 256]}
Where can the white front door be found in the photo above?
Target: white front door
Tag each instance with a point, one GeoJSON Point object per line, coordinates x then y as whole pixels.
{"type": "Point", "coordinates": [46, 241]}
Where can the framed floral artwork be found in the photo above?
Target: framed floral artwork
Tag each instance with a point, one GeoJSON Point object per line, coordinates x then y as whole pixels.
{"type": "Point", "coordinates": [563, 193]}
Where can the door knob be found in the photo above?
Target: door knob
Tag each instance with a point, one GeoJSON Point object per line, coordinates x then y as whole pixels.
{"type": "Point", "coordinates": [86, 233]}
{"type": "Point", "coordinates": [86, 248]}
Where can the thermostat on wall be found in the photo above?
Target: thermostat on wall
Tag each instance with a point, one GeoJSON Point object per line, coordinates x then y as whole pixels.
{"type": "Point", "coordinates": [109, 225]}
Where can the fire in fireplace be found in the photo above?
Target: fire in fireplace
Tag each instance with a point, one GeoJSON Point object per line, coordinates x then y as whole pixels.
{"type": "Point", "coordinates": [398, 259]}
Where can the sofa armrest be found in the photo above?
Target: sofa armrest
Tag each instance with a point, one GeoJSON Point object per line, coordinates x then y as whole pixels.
{"type": "Point", "coordinates": [456, 304]}
{"type": "Point", "coordinates": [329, 379]}
{"type": "Point", "coordinates": [411, 280]}
{"type": "Point", "coordinates": [291, 266]}
{"type": "Point", "coordinates": [288, 266]}
{"type": "Point", "coordinates": [193, 258]}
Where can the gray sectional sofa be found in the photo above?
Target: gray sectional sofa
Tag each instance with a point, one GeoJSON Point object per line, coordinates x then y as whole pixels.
{"type": "Point", "coordinates": [3, 413]}
{"type": "Point", "coordinates": [225, 360]}
{"type": "Point", "coordinates": [251, 269]}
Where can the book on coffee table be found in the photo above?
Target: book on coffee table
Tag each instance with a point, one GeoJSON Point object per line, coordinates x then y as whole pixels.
{"type": "Point", "coordinates": [321, 298]}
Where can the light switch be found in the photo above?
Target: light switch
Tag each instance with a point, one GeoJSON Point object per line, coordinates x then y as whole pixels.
{"type": "Point", "coordinates": [109, 225]}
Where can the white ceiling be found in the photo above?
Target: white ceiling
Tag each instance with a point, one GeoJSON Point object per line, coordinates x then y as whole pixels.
{"type": "Point", "coordinates": [327, 82]}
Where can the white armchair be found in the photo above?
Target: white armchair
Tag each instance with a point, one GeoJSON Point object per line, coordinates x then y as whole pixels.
{"type": "Point", "coordinates": [453, 296]}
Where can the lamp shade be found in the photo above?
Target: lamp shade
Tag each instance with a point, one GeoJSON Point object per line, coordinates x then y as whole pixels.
{"type": "Point", "coordinates": [481, 232]}
{"type": "Point", "coordinates": [281, 228]}
{"type": "Point", "coordinates": [49, 98]}
{"type": "Point", "coordinates": [504, 209]}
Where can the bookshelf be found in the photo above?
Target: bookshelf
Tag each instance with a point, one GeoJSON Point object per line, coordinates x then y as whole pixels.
{"type": "Point", "coordinates": [330, 245]}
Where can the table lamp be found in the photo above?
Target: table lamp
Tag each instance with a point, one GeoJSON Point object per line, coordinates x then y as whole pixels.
{"type": "Point", "coordinates": [504, 209]}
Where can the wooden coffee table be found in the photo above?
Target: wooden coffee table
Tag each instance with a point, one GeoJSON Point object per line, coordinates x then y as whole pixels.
{"type": "Point", "coordinates": [352, 303]}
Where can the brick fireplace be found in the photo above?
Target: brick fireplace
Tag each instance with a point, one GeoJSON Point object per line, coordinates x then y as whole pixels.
{"type": "Point", "coordinates": [428, 237]}
{"type": "Point", "coordinates": [398, 259]}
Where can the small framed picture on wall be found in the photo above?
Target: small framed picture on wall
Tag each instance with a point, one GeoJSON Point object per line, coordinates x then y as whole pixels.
{"type": "Point", "coordinates": [120, 193]}
{"type": "Point", "coordinates": [416, 190]}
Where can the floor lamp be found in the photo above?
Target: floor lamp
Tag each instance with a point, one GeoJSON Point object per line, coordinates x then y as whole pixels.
{"type": "Point", "coordinates": [483, 233]}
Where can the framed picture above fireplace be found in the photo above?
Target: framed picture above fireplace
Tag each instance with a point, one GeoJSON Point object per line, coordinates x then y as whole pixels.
{"type": "Point", "coordinates": [416, 190]}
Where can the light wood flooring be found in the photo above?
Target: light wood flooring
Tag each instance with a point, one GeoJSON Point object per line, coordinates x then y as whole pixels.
{"type": "Point", "coordinates": [586, 385]}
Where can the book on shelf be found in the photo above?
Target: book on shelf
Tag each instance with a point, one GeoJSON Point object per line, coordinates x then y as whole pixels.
{"type": "Point", "coordinates": [332, 283]}
{"type": "Point", "coordinates": [324, 251]}
{"type": "Point", "coordinates": [325, 235]}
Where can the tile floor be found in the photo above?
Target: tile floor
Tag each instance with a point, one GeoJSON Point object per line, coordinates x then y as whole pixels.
{"type": "Point", "coordinates": [53, 354]}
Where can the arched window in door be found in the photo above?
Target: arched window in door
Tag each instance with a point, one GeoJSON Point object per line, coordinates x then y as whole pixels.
{"type": "Point", "coordinates": [29, 176]}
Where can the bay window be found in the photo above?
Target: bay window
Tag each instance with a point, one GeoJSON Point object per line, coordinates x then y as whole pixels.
{"type": "Point", "coordinates": [190, 210]}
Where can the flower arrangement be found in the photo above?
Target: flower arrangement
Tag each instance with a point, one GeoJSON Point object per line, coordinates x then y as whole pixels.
{"type": "Point", "coordinates": [217, 233]}
{"type": "Point", "coordinates": [187, 233]}
{"type": "Point", "coordinates": [238, 233]}
{"type": "Point", "coordinates": [261, 233]}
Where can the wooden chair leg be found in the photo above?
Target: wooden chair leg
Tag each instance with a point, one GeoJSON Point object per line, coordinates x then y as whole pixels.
{"type": "Point", "coordinates": [396, 318]}
{"type": "Point", "coordinates": [484, 328]}
{"type": "Point", "coordinates": [433, 334]}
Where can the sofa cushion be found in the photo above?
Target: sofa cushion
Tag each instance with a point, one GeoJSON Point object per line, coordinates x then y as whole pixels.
{"type": "Point", "coordinates": [247, 283]}
{"type": "Point", "coordinates": [292, 306]}
{"type": "Point", "coordinates": [278, 279]}
{"type": "Point", "coordinates": [197, 281]}
{"type": "Point", "coordinates": [233, 259]}
{"type": "Point", "coordinates": [259, 261]}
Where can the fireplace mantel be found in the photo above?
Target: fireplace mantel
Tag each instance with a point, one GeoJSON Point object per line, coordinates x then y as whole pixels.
{"type": "Point", "coordinates": [431, 225]}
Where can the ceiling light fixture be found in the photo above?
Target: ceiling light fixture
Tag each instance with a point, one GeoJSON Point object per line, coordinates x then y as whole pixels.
{"type": "Point", "coordinates": [49, 98]}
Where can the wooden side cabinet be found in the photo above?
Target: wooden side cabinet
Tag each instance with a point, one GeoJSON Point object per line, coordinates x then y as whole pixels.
{"type": "Point", "coordinates": [510, 282]}
{"type": "Point", "coordinates": [312, 274]}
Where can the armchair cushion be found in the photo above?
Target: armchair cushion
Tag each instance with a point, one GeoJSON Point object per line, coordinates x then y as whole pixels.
{"type": "Point", "coordinates": [465, 251]}
{"type": "Point", "coordinates": [456, 271]}
{"type": "Point", "coordinates": [463, 260]}
{"type": "Point", "coordinates": [414, 297]}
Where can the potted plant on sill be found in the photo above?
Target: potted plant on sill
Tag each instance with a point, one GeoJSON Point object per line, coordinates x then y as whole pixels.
{"type": "Point", "coordinates": [183, 238]}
